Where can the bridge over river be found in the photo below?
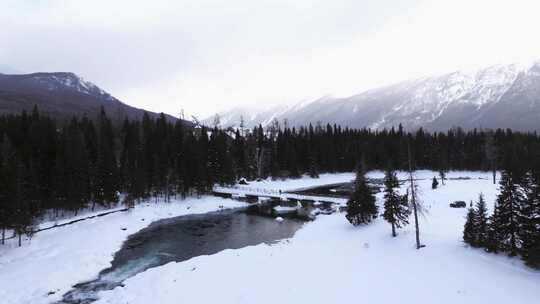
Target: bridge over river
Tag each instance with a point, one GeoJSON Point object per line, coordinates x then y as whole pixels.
{"type": "Point", "coordinates": [259, 194]}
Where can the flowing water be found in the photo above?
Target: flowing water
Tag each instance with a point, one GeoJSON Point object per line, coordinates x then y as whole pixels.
{"type": "Point", "coordinates": [181, 238]}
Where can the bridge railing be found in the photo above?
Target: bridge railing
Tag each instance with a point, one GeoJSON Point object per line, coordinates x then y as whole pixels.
{"type": "Point", "coordinates": [274, 193]}
{"type": "Point", "coordinates": [248, 190]}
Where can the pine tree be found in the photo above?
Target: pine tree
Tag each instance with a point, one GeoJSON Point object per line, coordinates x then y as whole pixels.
{"type": "Point", "coordinates": [493, 238]}
{"type": "Point", "coordinates": [76, 168]}
{"type": "Point", "coordinates": [106, 183]}
{"type": "Point", "coordinates": [8, 177]}
{"type": "Point", "coordinates": [505, 218]}
{"type": "Point", "coordinates": [529, 219]}
{"type": "Point", "coordinates": [396, 209]}
{"type": "Point", "coordinates": [434, 183]}
{"type": "Point", "coordinates": [313, 168]}
{"type": "Point", "coordinates": [531, 255]}
{"type": "Point", "coordinates": [481, 222]}
{"type": "Point", "coordinates": [442, 174]}
{"type": "Point", "coordinates": [469, 231]}
{"type": "Point", "coordinates": [361, 207]}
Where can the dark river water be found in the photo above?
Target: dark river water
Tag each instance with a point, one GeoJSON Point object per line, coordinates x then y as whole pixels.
{"type": "Point", "coordinates": [181, 238]}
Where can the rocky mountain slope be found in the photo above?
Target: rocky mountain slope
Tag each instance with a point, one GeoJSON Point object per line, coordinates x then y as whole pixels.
{"type": "Point", "coordinates": [503, 96]}
{"type": "Point", "coordinates": [61, 95]}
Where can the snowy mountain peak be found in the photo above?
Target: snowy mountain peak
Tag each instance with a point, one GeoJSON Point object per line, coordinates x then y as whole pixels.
{"type": "Point", "coordinates": [506, 96]}
{"type": "Point", "coordinates": [68, 81]}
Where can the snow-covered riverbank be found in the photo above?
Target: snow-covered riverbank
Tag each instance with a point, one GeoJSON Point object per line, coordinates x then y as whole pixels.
{"type": "Point", "coordinates": [56, 259]}
{"type": "Point", "coordinates": [329, 261]}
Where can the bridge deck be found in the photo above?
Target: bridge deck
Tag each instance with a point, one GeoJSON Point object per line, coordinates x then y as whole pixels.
{"type": "Point", "coordinates": [271, 193]}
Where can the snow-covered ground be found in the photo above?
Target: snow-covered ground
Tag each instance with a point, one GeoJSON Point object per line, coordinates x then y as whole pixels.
{"type": "Point", "coordinates": [327, 261]}
{"type": "Point", "coordinates": [56, 259]}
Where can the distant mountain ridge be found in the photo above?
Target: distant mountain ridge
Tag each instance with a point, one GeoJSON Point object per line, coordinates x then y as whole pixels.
{"type": "Point", "coordinates": [502, 96]}
{"type": "Point", "coordinates": [61, 95]}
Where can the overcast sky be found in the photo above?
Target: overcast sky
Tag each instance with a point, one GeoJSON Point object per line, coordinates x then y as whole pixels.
{"type": "Point", "coordinates": [207, 55]}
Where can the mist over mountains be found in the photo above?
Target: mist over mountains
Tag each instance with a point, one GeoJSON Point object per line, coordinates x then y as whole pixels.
{"type": "Point", "coordinates": [501, 96]}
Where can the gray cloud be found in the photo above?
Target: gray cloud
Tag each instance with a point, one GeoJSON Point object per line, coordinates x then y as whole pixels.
{"type": "Point", "coordinates": [207, 54]}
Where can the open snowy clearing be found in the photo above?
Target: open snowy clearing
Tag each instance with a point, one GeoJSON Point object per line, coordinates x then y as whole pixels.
{"type": "Point", "coordinates": [329, 261]}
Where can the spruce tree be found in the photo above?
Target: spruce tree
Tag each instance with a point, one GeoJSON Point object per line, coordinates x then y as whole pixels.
{"type": "Point", "coordinates": [361, 207]}
{"type": "Point", "coordinates": [469, 231]}
{"type": "Point", "coordinates": [481, 222]}
{"type": "Point", "coordinates": [106, 183]}
{"type": "Point", "coordinates": [396, 209]}
{"type": "Point", "coordinates": [313, 168]}
{"type": "Point", "coordinates": [529, 220]}
{"type": "Point", "coordinates": [505, 218]}
{"type": "Point", "coordinates": [434, 183]}
{"type": "Point", "coordinates": [493, 238]}
{"type": "Point", "coordinates": [532, 254]}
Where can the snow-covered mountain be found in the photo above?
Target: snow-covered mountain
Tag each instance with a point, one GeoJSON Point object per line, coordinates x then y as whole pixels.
{"type": "Point", "coordinates": [61, 95]}
{"type": "Point", "coordinates": [502, 96]}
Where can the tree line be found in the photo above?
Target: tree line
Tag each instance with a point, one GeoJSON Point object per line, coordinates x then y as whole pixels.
{"type": "Point", "coordinates": [514, 225]}
{"type": "Point", "coordinates": [51, 166]}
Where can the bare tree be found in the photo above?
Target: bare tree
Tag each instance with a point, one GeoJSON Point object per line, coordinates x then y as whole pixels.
{"type": "Point", "coordinates": [242, 125]}
{"type": "Point", "coordinates": [181, 115]}
{"type": "Point", "coordinates": [442, 175]}
{"type": "Point", "coordinates": [414, 199]}
{"type": "Point", "coordinates": [274, 128]}
{"type": "Point", "coordinates": [195, 121]}
{"type": "Point", "coordinates": [217, 121]}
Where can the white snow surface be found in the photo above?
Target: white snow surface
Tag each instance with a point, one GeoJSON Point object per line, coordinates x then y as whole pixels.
{"type": "Point", "coordinates": [327, 261]}
{"type": "Point", "coordinates": [330, 261]}
{"type": "Point", "coordinates": [56, 259]}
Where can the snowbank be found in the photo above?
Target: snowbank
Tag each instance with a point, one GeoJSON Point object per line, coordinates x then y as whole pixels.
{"type": "Point", "coordinates": [329, 261]}
{"type": "Point", "coordinates": [57, 259]}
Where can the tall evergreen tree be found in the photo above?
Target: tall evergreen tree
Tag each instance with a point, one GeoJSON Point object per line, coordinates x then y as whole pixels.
{"type": "Point", "coordinates": [529, 218]}
{"type": "Point", "coordinates": [396, 209]}
{"type": "Point", "coordinates": [361, 207]}
{"type": "Point", "coordinates": [106, 187]}
{"type": "Point", "coordinates": [481, 222]}
{"type": "Point", "coordinates": [505, 218]}
{"type": "Point", "coordinates": [434, 183]}
{"type": "Point", "coordinates": [469, 231]}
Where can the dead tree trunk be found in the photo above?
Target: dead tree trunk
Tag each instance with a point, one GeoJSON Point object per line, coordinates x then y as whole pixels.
{"type": "Point", "coordinates": [413, 200]}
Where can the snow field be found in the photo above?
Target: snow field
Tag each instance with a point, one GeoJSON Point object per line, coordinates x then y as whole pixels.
{"type": "Point", "coordinates": [330, 261]}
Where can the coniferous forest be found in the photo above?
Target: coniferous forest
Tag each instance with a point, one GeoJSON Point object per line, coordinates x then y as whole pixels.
{"type": "Point", "coordinates": [51, 166]}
